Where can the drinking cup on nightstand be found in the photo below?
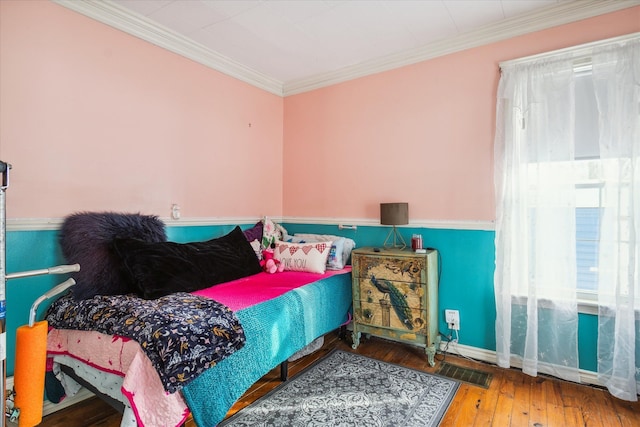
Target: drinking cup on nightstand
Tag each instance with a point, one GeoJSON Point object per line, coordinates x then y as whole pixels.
{"type": "Point", "coordinates": [416, 242]}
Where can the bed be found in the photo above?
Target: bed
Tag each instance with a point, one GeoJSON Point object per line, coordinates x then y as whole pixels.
{"type": "Point", "coordinates": [266, 318]}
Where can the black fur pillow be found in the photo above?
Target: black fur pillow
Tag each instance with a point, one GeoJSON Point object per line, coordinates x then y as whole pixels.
{"type": "Point", "coordinates": [164, 268]}
{"type": "Point", "coordinates": [86, 238]}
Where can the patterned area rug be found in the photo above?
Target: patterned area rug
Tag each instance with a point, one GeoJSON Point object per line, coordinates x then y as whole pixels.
{"type": "Point", "coordinates": [346, 389]}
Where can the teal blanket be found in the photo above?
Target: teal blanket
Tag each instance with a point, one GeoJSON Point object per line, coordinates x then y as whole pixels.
{"type": "Point", "coordinates": [274, 330]}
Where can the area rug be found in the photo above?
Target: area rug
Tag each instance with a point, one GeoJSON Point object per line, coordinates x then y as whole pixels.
{"type": "Point", "coordinates": [347, 389]}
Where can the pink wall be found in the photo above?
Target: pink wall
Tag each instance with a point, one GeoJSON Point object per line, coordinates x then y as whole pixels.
{"type": "Point", "coordinates": [92, 118]}
{"type": "Point", "coordinates": [422, 133]}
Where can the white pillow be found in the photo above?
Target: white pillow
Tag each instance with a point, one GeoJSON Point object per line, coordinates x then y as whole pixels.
{"type": "Point", "coordinates": [334, 260]}
{"type": "Point", "coordinates": [342, 254]}
{"type": "Point", "coordinates": [310, 257]}
{"type": "Point", "coordinates": [257, 248]}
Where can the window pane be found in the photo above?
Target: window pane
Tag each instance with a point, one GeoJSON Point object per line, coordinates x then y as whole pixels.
{"type": "Point", "coordinates": [587, 238]}
{"type": "Point", "coordinates": [586, 125]}
{"type": "Point", "coordinates": [588, 208]}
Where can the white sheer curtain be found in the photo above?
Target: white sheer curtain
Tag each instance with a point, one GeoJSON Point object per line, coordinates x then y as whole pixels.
{"type": "Point", "coordinates": [616, 77]}
{"type": "Point", "coordinates": [538, 179]}
{"type": "Point", "coordinates": [535, 276]}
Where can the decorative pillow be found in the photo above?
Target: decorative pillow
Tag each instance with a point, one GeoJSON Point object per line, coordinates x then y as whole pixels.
{"type": "Point", "coordinates": [160, 269]}
{"type": "Point", "coordinates": [271, 233]}
{"type": "Point", "coordinates": [254, 233]}
{"type": "Point", "coordinates": [257, 248]}
{"type": "Point", "coordinates": [85, 238]}
{"type": "Point", "coordinates": [342, 248]}
{"type": "Point", "coordinates": [334, 260]}
{"type": "Point", "coordinates": [294, 239]}
{"type": "Point", "coordinates": [310, 257]}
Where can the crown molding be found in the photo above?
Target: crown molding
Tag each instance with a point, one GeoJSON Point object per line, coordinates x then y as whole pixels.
{"type": "Point", "coordinates": [552, 16]}
{"type": "Point", "coordinates": [139, 26]}
{"type": "Point", "coordinates": [112, 14]}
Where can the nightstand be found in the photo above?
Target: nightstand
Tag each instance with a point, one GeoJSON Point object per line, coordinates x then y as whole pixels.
{"type": "Point", "coordinates": [395, 296]}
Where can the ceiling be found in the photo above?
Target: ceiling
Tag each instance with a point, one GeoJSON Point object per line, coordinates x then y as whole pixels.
{"type": "Point", "coordinates": [290, 46]}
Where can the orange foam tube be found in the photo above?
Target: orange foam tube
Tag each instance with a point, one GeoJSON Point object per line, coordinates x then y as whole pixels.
{"type": "Point", "coordinates": [28, 376]}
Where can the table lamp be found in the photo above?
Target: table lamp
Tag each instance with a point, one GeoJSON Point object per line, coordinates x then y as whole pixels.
{"type": "Point", "coordinates": [394, 214]}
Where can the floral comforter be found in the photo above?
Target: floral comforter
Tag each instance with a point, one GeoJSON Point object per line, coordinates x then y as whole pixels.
{"type": "Point", "coordinates": [182, 334]}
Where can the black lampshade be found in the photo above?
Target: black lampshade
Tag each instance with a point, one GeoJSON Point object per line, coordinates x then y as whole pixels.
{"type": "Point", "coordinates": [394, 213]}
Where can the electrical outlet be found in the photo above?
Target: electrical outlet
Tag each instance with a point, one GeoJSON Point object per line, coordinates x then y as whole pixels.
{"type": "Point", "coordinates": [452, 317]}
{"type": "Point", "coordinates": [175, 211]}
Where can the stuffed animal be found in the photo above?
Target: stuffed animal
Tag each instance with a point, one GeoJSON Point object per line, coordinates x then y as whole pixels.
{"type": "Point", "coordinates": [269, 263]}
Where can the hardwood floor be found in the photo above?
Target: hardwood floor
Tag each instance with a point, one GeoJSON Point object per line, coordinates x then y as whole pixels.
{"type": "Point", "coordinates": [512, 399]}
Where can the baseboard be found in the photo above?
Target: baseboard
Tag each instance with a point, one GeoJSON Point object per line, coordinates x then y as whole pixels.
{"type": "Point", "coordinates": [50, 407]}
{"type": "Point", "coordinates": [489, 356]}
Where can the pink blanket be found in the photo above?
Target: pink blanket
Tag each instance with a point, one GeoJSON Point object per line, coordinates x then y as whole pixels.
{"type": "Point", "coordinates": [248, 291]}
{"type": "Point", "coordinates": [124, 357]}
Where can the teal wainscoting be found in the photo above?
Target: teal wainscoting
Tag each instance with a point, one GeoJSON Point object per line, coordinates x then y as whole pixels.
{"type": "Point", "coordinates": [466, 281]}
{"type": "Point", "coordinates": [28, 250]}
{"type": "Point", "coordinates": [466, 276]}
{"type": "Point", "coordinates": [466, 273]}
{"type": "Point", "coordinates": [588, 342]}
{"type": "Point", "coordinates": [199, 233]}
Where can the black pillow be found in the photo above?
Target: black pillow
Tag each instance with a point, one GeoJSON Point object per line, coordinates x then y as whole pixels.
{"type": "Point", "coordinates": [86, 238]}
{"type": "Point", "coordinates": [164, 268]}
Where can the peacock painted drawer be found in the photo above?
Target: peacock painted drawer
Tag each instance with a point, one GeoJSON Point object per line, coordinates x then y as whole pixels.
{"type": "Point", "coordinates": [395, 296]}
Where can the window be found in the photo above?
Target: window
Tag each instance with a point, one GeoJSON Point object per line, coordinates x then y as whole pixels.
{"type": "Point", "coordinates": [589, 168]}
{"type": "Point", "coordinates": [567, 174]}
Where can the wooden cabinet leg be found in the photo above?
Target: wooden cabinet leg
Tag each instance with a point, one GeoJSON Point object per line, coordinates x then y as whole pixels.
{"type": "Point", "coordinates": [431, 354]}
{"type": "Point", "coordinates": [355, 337]}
